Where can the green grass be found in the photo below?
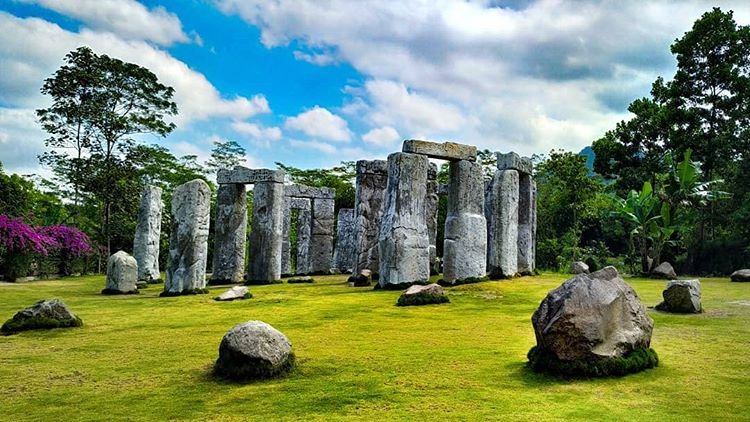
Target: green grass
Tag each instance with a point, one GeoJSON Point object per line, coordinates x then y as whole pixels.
{"type": "Point", "coordinates": [359, 357]}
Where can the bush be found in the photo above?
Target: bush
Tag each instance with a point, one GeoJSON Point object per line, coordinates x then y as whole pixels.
{"type": "Point", "coordinates": [421, 299]}
{"type": "Point", "coordinates": [541, 360]}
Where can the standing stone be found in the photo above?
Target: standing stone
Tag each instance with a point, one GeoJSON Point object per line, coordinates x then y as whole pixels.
{"type": "Point", "coordinates": [372, 178]}
{"type": "Point", "coordinates": [321, 240]}
{"type": "Point", "coordinates": [286, 247]}
{"type": "Point", "coordinates": [465, 244]}
{"type": "Point", "coordinates": [533, 226]}
{"type": "Point", "coordinates": [188, 242]}
{"type": "Point", "coordinates": [343, 255]}
{"type": "Point", "coordinates": [525, 224]}
{"type": "Point", "coordinates": [682, 296]}
{"type": "Point", "coordinates": [431, 205]}
{"type": "Point", "coordinates": [404, 241]}
{"type": "Point", "coordinates": [122, 274]}
{"type": "Point", "coordinates": [502, 224]}
{"type": "Point", "coordinates": [266, 234]}
{"type": "Point", "coordinates": [230, 234]}
{"type": "Point", "coordinates": [148, 234]}
{"type": "Point", "coordinates": [304, 228]}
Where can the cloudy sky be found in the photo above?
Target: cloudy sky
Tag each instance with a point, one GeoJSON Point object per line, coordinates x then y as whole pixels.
{"type": "Point", "coordinates": [313, 82]}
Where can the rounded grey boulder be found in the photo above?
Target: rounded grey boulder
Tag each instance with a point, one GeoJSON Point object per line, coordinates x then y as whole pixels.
{"type": "Point", "coordinates": [664, 270]}
{"type": "Point", "coordinates": [122, 274]}
{"type": "Point", "coordinates": [253, 350]}
{"type": "Point", "coordinates": [681, 296]}
{"type": "Point", "coordinates": [579, 267]}
{"type": "Point", "coordinates": [740, 275]}
{"type": "Point", "coordinates": [44, 314]}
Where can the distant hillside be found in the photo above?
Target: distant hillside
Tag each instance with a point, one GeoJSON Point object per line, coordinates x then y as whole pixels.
{"type": "Point", "coordinates": [590, 157]}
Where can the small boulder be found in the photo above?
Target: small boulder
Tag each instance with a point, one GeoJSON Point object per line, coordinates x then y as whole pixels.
{"type": "Point", "coordinates": [664, 270]}
{"type": "Point", "coordinates": [253, 350]}
{"type": "Point", "coordinates": [579, 267]}
{"type": "Point", "coordinates": [44, 314]}
{"type": "Point", "coordinates": [423, 295]}
{"type": "Point", "coordinates": [681, 296]}
{"type": "Point", "coordinates": [592, 325]}
{"type": "Point", "coordinates": [236, 292]}
{"type": "Point", "coordinates": [122, 274]}
{"type": "Point", "coordinates": [740, 276]}
{"type": "Point", "coordinates": [364, 279]}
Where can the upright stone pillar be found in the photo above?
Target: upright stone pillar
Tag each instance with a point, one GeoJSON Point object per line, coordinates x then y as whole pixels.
{"type": "Point", "coordinates": [230, 234]}
{"type": "Point", "coordinates": [343, 254]}
{"type": "Point", "coordinates": [148, 235]}
{"type": "Point", "coordinates": [286, 252]}
{"type": "Point", "coordinates": [404, 241]}
{"type": "Point", "coordinates": [321, 240]}
{"type": "Point", "coordinates": [502, 216]}
{"type": "Point", "coordinates": [266, 235]}
{"type": "Point", "coordinates": [304, 237]}
{"type": "Point", "coordinates": [526, 228]}
{"type": "Point", "coordinates": [533, 226]}
{"type": "Point", "coordinates": [188, 242]}
{"type": "Point", "coordinates": [372, 179]}
{"type": "Point", "coordinates": [432, 202]}
{"type": "Point", "coordinates": [465, 244]}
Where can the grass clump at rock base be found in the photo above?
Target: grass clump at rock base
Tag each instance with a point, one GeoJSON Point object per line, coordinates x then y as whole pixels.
{"type": "Point", "coordinates": [541, 360]}
{"type": "Point", "coordinates": [254, 369]}
{"type": "Point", "coordinates": [186, 292]}
{"type": "Point", "coordinates": [400, 286]}
{"type": "Point", "coordinates": [421, 299]}
{"type": "Point", "coordinates": [118, 292]}
{"type": "Point", "coordinates": [301, 280]}
{"type": "Point", "coordinates": [13, 325]}
{"type": "Point", "coordinates": [468, 280]}
{"type": "Point", "coordinates": [262, 282]}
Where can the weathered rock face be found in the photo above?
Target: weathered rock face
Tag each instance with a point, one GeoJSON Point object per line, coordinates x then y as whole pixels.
{"type": "Point", "coordinates": [364, 279]}
{"type": "Point", "coordinates": [431, 205]}
{"type": "Point", "coordinates": [253, 350]}
{"type": "Point", "coordinates": [681, 296]}
{"type": "Point", "coordinates": [122, 274]}
{"type": "Point", "coordinates": [740, 276]}
{"type": "Point", "coordinates": [512, 161]}
{"type": "Point", "coordinates": [266, 235]}
{"type": "Point", "coordinates": [664, 270]}
{"type": "Point", "coordinates": [147, 235]}
{"type": "Point", "coordinates": [372, 178]}
{"type": "Point", "coordinates": [304, 237]}
{"type": "Point", "coordinates": [465, 245]}
{"type": "Point", "coordinates": [579, 267]}
{"type": "Point", "coordinates": [290, 204]}
{"type": "Point", "coordinates": [404, 242]}
{"type": "Point", "coordinates": [188, 242]}
{"type": "Point", "coordinates": [526, 224]}
{"type": "Point", "coordinates": [321, 240]}
{"type": "Point", "coordinates": [423, 295]}
{"type": "Point", "coordinates": [444, 151]}
{"type": "Point", "coordinates": [244, 175]}
{"type": "Point", "coordinates": [236, 292]}
{"type": "Point", "coordinates": [343, 255]}
{"type": "Point", "coordinates": [501, 210]}
{"type": "Point", "coordinates": [592, 316]}
{"type": "Point", "coordinates": [230, 234]}
{"type": "Point", "coordinates": [432, 289]}
{"type": "Point", "coordinates": [42, 315]}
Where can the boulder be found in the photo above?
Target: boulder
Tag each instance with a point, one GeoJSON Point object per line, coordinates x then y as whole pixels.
{"type": "Point", "coordinates": [423, 295]}
{"type": "Point", "coordinates": [592, 325]}
{"type": "Point", "coordinates": [44, 314]}
{"type": "Point", "coordinates": [122, 274]}
{"type": "Point", "coordinates": [740, 276]}
{"type": "Point", "coordinates": [253, 350]}
{"type": "Point", "coordinates": [579, 267]}
{"type": "Point", "coordinates": [364, 279]}
{"type": "Point", "coordinates": [681, 296]}
{"type": "Point", "coordinates": [236, 292]}
{"type": "Point", "coordinates": [664, 270]}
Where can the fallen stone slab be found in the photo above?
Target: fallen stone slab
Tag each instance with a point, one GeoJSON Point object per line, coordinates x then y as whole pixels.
{"type": "Point", "coordinates": [236, 292]}
{"type": "Point", "coordinates": [45, 314]}
{"type": "Point", "coordinates": [418, 295]}
{"type": "Point", "coordinates": [740, 276]}
{"type": "Point", "coordinates": [681, 296]}
{"type": "Point", "coordinates": [253, 350]}
{"type": "Point", "coordinates": [244, 175]}
{"type": "Point", "coordinates": [445, 151]}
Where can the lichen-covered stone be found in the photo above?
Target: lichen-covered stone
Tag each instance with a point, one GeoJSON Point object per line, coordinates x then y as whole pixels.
{"type": "Point", "coordinates": [321, 240]}
{"type": "Point", "coordinates": [501, 210]}
{"type": "Point", "coordinates": [526, 222]}
{"type": "Point", "coordinates": [230, 234]}
{"type": "Point", "coordinates": [253, 350]}
{"type": "Point", "coordinates": [44, 314]}
{"type": "Point", "coordinates": [512, 161]}
{"type": "Point", "coordinates": [311, 192]}
{"type": "Point", "coordinates": [148, 235]}
{"type": "Point", "coordinates": [432, 203]}
{"type": "Point", "coordinates": [122, 274]}
{"type": "Point", "coordinates": [264, 265]}
{"type": "Point", "coordinates": [343, 255]}
{"type": "Point", "coordinates": [244, 175]}
{"type": "Point", "coordinates": [579, 267]}
{"type": "Point", "coordinates": [681, 296]}
{"type": "Point", "coordinates": [664, 270]}
{"type": "Point", "coordinates": [444, 151]}
{"type": "Point", "coordinates": [423, 295]}
{"type": "Point", "coordinates": [372, 178]}
{"type": "Point", "coordinates": [304, 238]}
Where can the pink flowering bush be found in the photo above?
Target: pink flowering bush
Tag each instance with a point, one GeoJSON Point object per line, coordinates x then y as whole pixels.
{"type": "Point", "coordinates": [70, 245]}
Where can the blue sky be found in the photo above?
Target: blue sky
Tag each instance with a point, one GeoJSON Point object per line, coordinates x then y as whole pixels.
{"type": "Point", "coordinates": [311, 83]}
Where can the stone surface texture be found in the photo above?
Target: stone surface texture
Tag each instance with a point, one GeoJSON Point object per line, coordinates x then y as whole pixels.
{"type": "Point", "coordinates": [372, 178]}
{"type": "Point", "coordinates": [266, 234]}
{"type": "Point", "coordinates": [526, 224]}
{"type": "Point", "coordinates": [303, 191]}
{"type": "Point", "coordinates": [512, 161]}
{"type": "Point", "coordinates": [404, 241]}
{"type": "Point", "coordinates": [664, 270]}
{"type": "Point", "coordinates": [304, 237]}
{"type": "Point", "coordinates": [52, 313]}
{"type": "Point", "coordinates": [230, 233]}
{"type": "Point", "coordinates": [592, 316]}
{"type": "Point", "coordinates": [148, 234]}
{"type": "Point", "coordinates": [188, 242]}
{"type": "Point", "coordinates": [579, 267]}
{"type": "Point", "coordinates": [236, 292]}
{"type": "Point", "coordinates": [244, 175]}
{"type": "Point", "coordinates": [290, 204]}
{"type": "Point", "coordinates": [681, 296]}
{"type": "Point", "coordinates": [740, 276]}
{"type": "Point", "coordinates": [321, 236]}
{"type": "Point", "coordinates": [465, 244]}
{"type": "Point", "coordinates": [343, 255]}
{"type": "Point", "coordinates": [445, 151]}
{"type": "Point", "coordinates": [252, 349]}
{"type": "Point", "coordinates": [431, 205]}
{"type": "Point", "coordinates": [122, 273]}
{"type": "Point", "coordinates": [428, 289]}
{"type": "Point", "coordinates": [501, 211]}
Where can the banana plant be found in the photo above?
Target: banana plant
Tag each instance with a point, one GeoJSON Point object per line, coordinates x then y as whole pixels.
{"type": "Point", "coordinates": [643, 211]}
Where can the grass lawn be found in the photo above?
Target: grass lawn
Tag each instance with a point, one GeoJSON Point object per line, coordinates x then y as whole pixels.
{"type": "Point", "coordinates": [359, 356]}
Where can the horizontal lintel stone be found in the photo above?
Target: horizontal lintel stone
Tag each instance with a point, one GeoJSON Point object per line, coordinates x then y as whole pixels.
{"type": "Point", "coordinates": [299, 203]}
{"type": "Point", "coordinates": [302, 191]}
{"type": "Point", "coordinates": [446, 151]}
{"type": "Point", "coordinates": [513, 161]}
{"type": "Point", "coordinates": [245, 175]}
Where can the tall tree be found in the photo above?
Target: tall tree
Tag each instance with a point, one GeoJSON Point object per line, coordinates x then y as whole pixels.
{"type": "Point", "coordinates": [225, 155]}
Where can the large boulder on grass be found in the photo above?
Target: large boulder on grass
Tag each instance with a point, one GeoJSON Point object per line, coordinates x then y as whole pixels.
{"type": "Point", "coordinates": [740, 276]}
{"type": "Point", "coordinates": [253, 350]}
{"type": "Point", "coordinates": [44, 314]}
{"type": "Point", "coordinates": [681, 296]}
{"type": "Point", "coordinates": [236, 292]}
{"type": "Point", "coordinates": [592, 325]}
{"type": "Point", "coordinates": [664, 270]}
{"type": "Point", "coordinates": [122, 274]}
{"type": "Point", "coordinates": [423, 295]}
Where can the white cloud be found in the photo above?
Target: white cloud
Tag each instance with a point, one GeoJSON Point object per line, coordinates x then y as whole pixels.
{"type": "Point", "coordinates": [257, 133]}
{"type": "Point", "coordinates": [336, 152]}
{"type": "Point", "coordinates": [21, 141]}
{"type": "Point", "coordinates": [128, 19]}
{"type": "Point", "coordinates": [385, 136]}
{"type": "Point", "coordinates": [320, 123]}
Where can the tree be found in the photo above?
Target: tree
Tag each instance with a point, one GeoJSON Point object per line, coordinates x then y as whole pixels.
{"type": "Point", "coordinates": [340, 178]}
{"type": "Point", "coordinates": [225, 155]}
{"type": "Point", "coordinates": [98, 103]}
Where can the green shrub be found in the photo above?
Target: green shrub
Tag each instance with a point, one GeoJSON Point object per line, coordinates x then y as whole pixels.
{"type": "Point", "coordinates": [421, 299]}
{"type": "Point", "coordinates": [15, 325]}
{"type": "Point", "coordinates": [541, 360]}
